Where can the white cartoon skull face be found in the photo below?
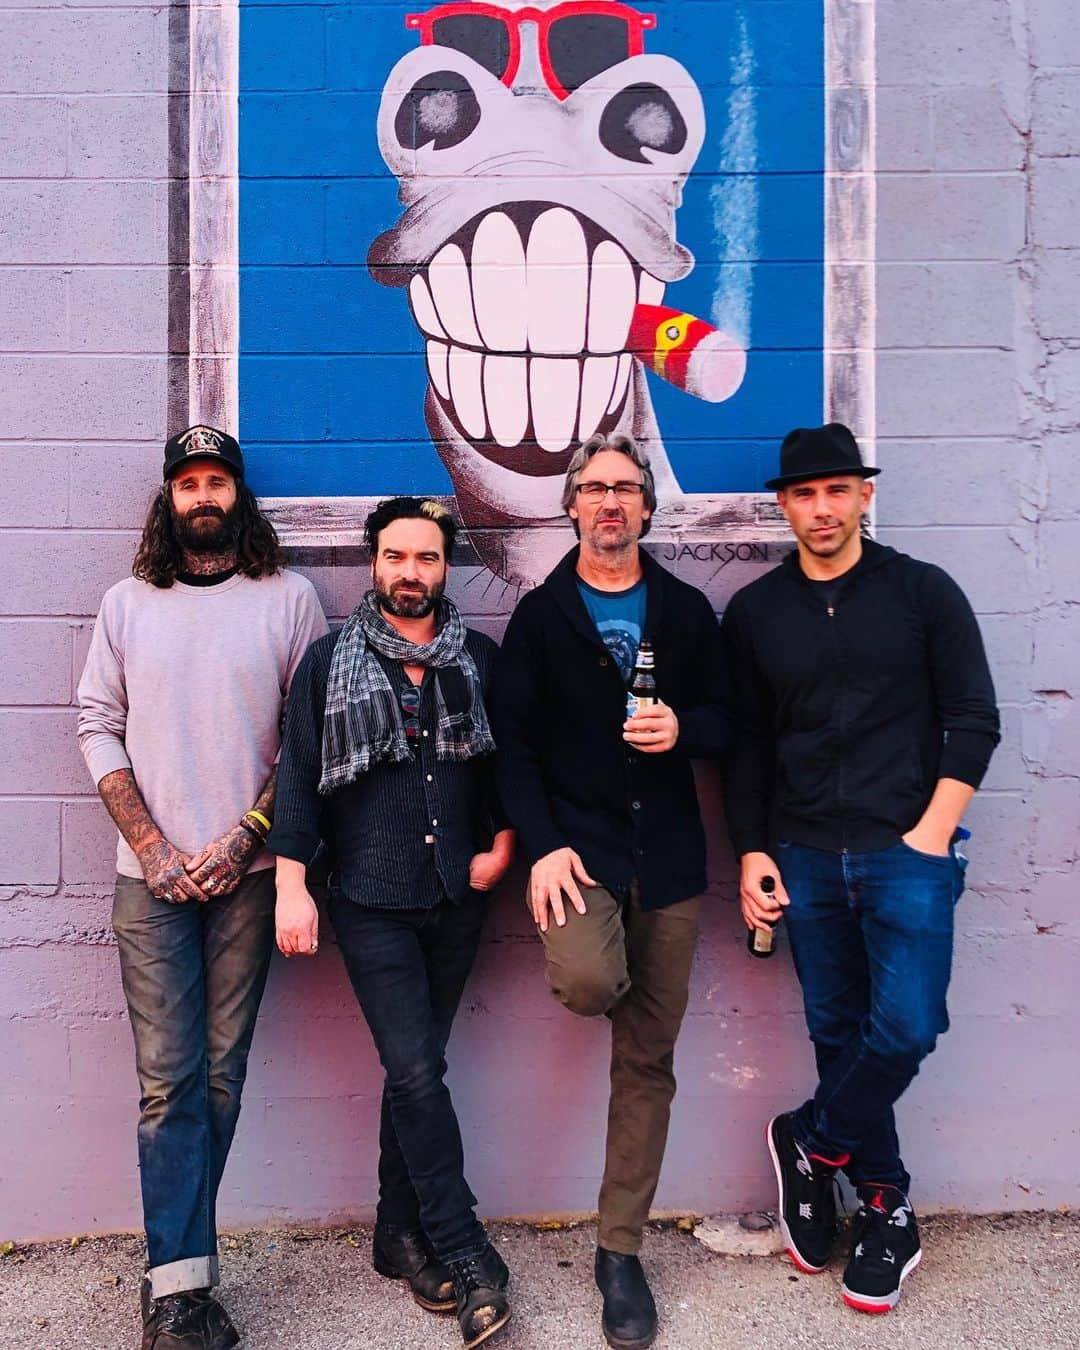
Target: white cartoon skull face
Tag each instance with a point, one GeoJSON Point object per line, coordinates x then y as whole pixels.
{"type": "Point", "coordinates": [540, 155]}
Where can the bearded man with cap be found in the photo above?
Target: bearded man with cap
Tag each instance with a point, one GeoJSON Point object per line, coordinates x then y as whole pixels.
{"type": "Point", "coordinates": [868, 721]}
{"type": "Point", "coordinates": [180, 709]}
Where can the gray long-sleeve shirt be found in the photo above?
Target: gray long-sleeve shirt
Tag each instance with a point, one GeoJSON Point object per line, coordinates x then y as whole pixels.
{"type": "Point", "coordinates": [186, 686]}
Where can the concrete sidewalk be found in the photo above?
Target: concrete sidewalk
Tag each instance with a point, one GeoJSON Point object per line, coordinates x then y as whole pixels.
{"type": "Point", "coordinates": [1005, 1283]}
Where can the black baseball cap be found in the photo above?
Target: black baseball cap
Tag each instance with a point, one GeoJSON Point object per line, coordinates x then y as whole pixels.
{"type": "Point", "coordinates": [202, 442]}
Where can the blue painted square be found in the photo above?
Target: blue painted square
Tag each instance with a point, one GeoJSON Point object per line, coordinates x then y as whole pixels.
{"type": "Point", "coordinates": [332, 371]}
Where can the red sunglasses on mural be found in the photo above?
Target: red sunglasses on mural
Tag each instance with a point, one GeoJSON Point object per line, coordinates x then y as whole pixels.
{"type": "Point", "coordinates": [576, 40]}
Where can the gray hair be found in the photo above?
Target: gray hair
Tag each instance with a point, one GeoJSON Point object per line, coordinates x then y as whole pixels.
{"type": "Point", "coordinates": [623, 445]}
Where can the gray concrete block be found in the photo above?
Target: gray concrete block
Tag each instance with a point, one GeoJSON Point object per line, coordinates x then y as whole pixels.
{"type": "Point", "coordinates": [61, 572]}
{"type": "Point", "coordinates": [926, 42]}
{"type": "Point", "coordinates": [1051, 903]}
{"type": "Point", "coordinates": [1056, 293]}
{"type": "Point", "coordinates": [945, 304]}
{"type": "Point", "coordinates": [947, 482]}
{"type": "Point", "coordinates": [119, 137]}
{"type": "Point", "coordinates": [999, 851]}
{"type": "Point", "coordinates": [35, 661]}
{"type": "Point", "coordinates": [1061, 389]}
{"type": "Point", "coordinates": [950, 216]}
{"type": "Point", "coordinates": [119, 309]}
{"type": "Point", "coordinates": [33, 138]}
{"type": "Point", "coordinates": [103, 51]}
{"type": "Point", "coordinates": [1055, 806]}
{"type": "Point", "coordinates": [1055, 202]}
{"type": "Point", "coordinates": [1008, 771]}
{"type": "Point", "coordinates": [34, 484]}
{"type": "Point", "coordinates": [947, 393]}
{"type": "Point", "coordinates": [1051, 734]}
{"type": "Point", "coordinates": [1056, 656]}
{"type": "Point", "coordinates": [1010, 646]}
{"type": "Point", "coordinates": [93, 222]}
{"type": "Point", "coordinates": [973, 130]}
{"type": "Point", "coordinates": [1061, 560]}
{"type": "Point", "coordinates": [67, 397]}
{"type": "Point", "coordinates": [1055, 37]}
{"type": "Point", "coordinates": [29, 843]}
{"type": "Point", "coordinates": [33, 310]}
{"type": "Point", "coordinates": [40, 754]}
{"type": "Point", "coordinates": [1055, 113]}
{"type": "Point", "coordinates": [89, 844]}
{"type": "Point", "coordinates": [113, 483]}
{"type": "Point", "coordinates": [1061, 458]}
{"type": "Point", "coordinates": [905, 132]}
{"type": "Point", "coordinates": [991, 567]}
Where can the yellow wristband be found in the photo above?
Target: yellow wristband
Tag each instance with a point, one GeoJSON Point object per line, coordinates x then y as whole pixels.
{"type": "Point", "coordinates": [258, 815]}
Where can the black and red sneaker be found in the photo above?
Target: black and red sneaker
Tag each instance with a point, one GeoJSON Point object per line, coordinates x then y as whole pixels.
{"type": "Point", "coordinates": [885, 1249]}
{"type": "Point", "coordinates": [807, 1187]}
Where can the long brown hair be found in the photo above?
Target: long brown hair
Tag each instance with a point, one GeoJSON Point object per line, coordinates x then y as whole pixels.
{"type": "Point", "coordinates": [159, 557]}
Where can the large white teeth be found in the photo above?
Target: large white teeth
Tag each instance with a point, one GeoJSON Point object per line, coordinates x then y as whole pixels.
{"type": "Point", "coordinates": [650, 290]}
{"type": "Point", "coordinates": [438, 368]}
{"type": "Point", "coordinates": [506, 397]}
{"type": "Point", "coordinates": [423, 309]}
{"type": "Point", "coordinates": [553, 390]}
{"type": "Point", "coordinates": [498, 283]}
{"type": "Point", "coordinates": [466, 391]}
{"type": "Point", "coordinates": [557, 281]}
{"type": "Point", "coordinates": [621, 380]}
{"type": "Point", "coordinates": [612, 296]}
{"type": "Point", "coordinates": [450, 286]}
{"type": "Point", "coordinates": [597, 379]}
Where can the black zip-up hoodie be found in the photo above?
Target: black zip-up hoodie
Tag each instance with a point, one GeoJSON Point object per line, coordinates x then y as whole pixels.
{"type": "Point", "coordinates": [850, 712]}
{"type": "Point", "coordinates": [566, 777]}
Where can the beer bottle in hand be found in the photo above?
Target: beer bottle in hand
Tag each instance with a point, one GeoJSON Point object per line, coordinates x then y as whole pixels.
{"type": "Point", "coordinates": [642, 691]}
{"type": "Point", "coordinates": [761, 942]}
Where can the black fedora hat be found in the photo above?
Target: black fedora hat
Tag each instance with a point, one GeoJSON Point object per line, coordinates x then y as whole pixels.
{"type": "Point", "coordinates": [819, 452]}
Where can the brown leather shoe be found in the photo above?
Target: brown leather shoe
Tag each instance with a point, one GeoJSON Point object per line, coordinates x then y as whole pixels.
{"type": "Point", "coordinates": [407, 1256]}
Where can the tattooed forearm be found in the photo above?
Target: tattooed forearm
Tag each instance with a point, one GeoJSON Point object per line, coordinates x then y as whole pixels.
{"type": "Point", "coordinates": [125, 804]}
{"type": "Point", "coordinates": [265, 804]}
{"type": "Point", "coordinates": [162, 864]}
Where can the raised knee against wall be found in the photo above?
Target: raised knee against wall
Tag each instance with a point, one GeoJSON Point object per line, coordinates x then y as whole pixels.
{"type": "Point", "coordinates": [591, 997]}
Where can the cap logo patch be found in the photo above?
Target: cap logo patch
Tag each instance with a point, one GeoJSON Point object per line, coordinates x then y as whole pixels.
{"type": "Point", "coordinates": [201, 441]}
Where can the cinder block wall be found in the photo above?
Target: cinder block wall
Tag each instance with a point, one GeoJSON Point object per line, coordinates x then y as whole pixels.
{"type": "Point", "coordinates": [978, 293]}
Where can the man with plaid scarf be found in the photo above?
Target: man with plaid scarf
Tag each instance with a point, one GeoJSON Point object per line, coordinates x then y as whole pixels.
{"type": "Point", "coordinates": [387, 761]}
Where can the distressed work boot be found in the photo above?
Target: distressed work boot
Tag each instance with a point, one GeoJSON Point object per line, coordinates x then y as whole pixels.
{"type": "Point", "coordinates": [629, 1317]}
{"type": "Point", "coordinates": [480, 1289]}
{"type": "Point", "coordinates": [193, 1320]}
{"type": "Point", "coordinates": [407, 1256]}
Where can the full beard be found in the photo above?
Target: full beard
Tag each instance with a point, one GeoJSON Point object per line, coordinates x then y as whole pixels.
{"type": "Point", "coordinates": [207, 530]}
{"type": "Point", "coordinates": [409, 603]}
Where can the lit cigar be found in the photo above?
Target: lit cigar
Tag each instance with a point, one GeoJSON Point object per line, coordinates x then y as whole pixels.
{"type": "Point", "coordinates": [687, 352]}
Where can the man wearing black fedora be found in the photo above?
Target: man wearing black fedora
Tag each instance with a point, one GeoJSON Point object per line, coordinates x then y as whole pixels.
{"type": "Point", "coordinates": [868, 721]}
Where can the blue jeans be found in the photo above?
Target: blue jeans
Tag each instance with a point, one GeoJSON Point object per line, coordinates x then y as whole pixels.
{"type": "Point", "coordinates": [872, 936]}
{"type": "Point", "coordinates": [193, 977]}
{"type": "Point", "coordinates": [408, 968]}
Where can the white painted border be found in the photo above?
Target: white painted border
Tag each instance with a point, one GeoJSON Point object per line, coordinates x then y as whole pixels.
{"type": "Point", "coordinates": [850, 247]}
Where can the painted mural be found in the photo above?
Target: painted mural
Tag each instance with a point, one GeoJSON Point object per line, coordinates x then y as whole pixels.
{"type": "Point", "coordinates": [479, 233]}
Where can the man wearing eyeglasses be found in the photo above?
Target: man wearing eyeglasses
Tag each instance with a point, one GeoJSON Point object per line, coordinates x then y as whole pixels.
{"type": "Point", "coordinates": [606, 811]}
{"type": "Point", "coordinates": [386, 758]}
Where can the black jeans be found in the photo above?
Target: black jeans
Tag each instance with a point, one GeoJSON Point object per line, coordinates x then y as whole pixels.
{"type": "Point", "coordinates": [408, 968]}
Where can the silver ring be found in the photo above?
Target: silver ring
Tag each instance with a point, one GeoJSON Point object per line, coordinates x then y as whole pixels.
{"type": "Point", "coordinates": [314, 946]}
{"type": "Point", "coordinates": [210, 884]}
{"type": "Point", "coordinates": [167, 895]}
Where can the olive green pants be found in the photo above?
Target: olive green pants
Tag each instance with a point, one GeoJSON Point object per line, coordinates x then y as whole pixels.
{"type": "Point", "coordinates": [633, 965]}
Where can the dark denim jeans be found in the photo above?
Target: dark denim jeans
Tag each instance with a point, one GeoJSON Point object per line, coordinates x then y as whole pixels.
{"type": "Point", "coordinates": [408, 968]}
{"type": "Point", "coordinates": [193, 978]}
{"type": "Point", "coordinates": [872, 936]}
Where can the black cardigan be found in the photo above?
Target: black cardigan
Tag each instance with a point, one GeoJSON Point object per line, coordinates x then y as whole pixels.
{"type": "Point", "coordinates": [848, 716]}
{"type": "Point", "coordinates": [566, 777]}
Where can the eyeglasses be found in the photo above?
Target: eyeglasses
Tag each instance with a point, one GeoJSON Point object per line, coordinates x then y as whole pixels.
{"type": "Point", "coordinates": [596, 492]}
{"type": "Point", "coordinates": [410, 706]}
{"type": "Point", "coordinates": [576, 40]}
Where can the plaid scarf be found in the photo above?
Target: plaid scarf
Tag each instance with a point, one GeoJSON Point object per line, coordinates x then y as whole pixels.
{"type": "Point", "coordinates": [363, 726]}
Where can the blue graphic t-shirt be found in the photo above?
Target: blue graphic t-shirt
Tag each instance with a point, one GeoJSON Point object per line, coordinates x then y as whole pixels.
{"type": "Point", "coordinates": [619, 617]}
